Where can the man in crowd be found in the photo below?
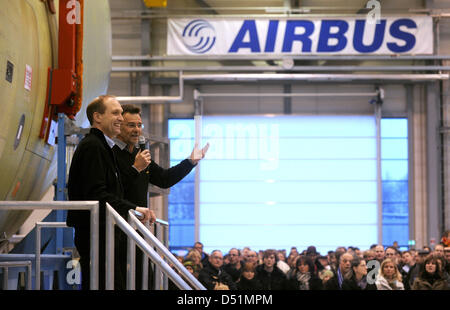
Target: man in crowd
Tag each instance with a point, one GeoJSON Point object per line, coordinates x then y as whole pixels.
{"type": "Point", "coordinates": [213, 277]}
{"type": "Point", "coordinates": [335, 283]}
{"type": "Point", "coordinates": [268, 274]}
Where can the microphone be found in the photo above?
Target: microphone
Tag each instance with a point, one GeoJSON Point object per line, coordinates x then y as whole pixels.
{"type": "Point", "coordinates": [141, 142]}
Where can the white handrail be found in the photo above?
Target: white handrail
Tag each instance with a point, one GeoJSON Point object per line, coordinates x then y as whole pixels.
{"type": "Point", "coordinates": [114, 218]}
{"type": "Point", "coordinates": [156, 243]}
{"type": "Point", "coordinates": [91, 206]}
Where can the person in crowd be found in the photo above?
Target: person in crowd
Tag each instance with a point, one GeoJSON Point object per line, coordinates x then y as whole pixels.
{"type": "Point", "coordinates": [311, 252]}
{"type": "Point", "coordinates": [281, 263]}
{"type": "Point", "coordinates": [332, 260]}
{"type": "Point", "coordinates": [447, 257]}
{"type": "Point", "coordinates": [356, 279]}
{"type": "Point", "coordinates": [430, 276]}
{"type": "Point", "coordinates": [439, 249]}
{"type": "Point", "coordinates": [389, 277]}
{"type": "Point", "coordinates": [379, 253]}
{"type": "Point", "coordinates": [443, 267]}
{"type": "Point", "coordinates": [321, 263]}
{"type": "Point", "coordinates": [189, 265]}
{"type": "Point", "coordinates": [204, 257]}
{"type": "Point", "coordinates": [247, 279]}
{"type": "Point", "coordinates": [406, 265]}
{"type": "Point", "coordinates": [213, 277]}
{"type": "Point", "coordinates": [368, 255]}
{"type": "Point", "coordinates": [335, 283]}
{"type": "Point", "coordinates": [233, 268]}
{"type": "Point", "coordinates": [305, 277]}
{"type": "Point", "coordinates": [427, 248]}
{"type": "Point", "coordinates": [325, 275]}
{"type": "Point", "coordinates": [252, 257]}
{"type": "Point", "coordinates": [391, 253]}
{"type": "Point", "coordinates": [415, 270]}
{"type": "Point", "coordinates": [270, 276]}
{"type": "Point", "coordinates": [293, 251]}
{"type": "Point", "coordinates": [196, 259]}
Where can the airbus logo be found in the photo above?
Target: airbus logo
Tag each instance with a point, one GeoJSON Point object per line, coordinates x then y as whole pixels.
{"type": "Point", "coordinates": [199, 36]}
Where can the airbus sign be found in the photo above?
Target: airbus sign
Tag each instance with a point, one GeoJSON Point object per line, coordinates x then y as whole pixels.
{"type": "Point", "coordinates": [349, 36]}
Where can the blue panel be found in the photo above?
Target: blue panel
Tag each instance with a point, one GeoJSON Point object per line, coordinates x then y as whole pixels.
{"type": "Point", "coordinates": [395, 181]}
{"type": "Point", "coordinates": [395, 191]}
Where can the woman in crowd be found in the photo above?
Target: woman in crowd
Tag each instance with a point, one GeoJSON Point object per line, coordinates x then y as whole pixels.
{"type": "Point", "coordinates": [389, 278]}
{"type": "Point", "coordinates": [430, 276]}
{"type": "Point", "coordinates": [356, 279]}
{"type": "Point", "coordinates": [247, 280]}
{"type": "Point", "coordinates": [305, 277]}
{"type": "Point", "coordinates": [196, 259]}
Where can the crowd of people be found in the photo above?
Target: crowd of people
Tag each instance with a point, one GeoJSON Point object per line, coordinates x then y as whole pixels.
{"type": "Point", "coordinates": [346, 268]}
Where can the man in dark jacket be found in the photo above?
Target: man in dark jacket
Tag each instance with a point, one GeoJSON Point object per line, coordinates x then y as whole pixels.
{"type": "Point", "coordinates": [344, 267]}
{"type": "Point", "coordinates": [269, 275]}
{"type": "Point", "coordinates": [137, 169]}
{"type": "Point", "coordinates": [94, 175]}
{"type": "Point", "coordinates": [213, 277]}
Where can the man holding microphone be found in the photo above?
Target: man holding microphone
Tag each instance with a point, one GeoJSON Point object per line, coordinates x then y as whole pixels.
{"type": "Point", "coordinates": [138, 170]}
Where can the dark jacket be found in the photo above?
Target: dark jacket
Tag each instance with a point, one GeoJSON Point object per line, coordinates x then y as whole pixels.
{"type": "Point", "coordinates": [246, 284]}
{"type": "Point", "coordinates": [233, 272]}
{"type": "Point", "coordinates": [314, 283]}
{"type": "Point", "coordinates": [429, 282]}
{"type": "Point", "coordinates": [210, 277]}
{"type": "Point", "coordinates": [275, 280]}
{"type": "Point", "coordinates": [351, 284]}
{"type": "Point", "coordinates": [94, 175]}
{"type": "Point", "coordinates": [333, 283]}
{"type": "Point", "coordinates": [136, 183]}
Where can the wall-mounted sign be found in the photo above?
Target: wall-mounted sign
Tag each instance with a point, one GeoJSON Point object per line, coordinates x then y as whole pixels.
{"type": "Point", "coordinates": [289, 36]}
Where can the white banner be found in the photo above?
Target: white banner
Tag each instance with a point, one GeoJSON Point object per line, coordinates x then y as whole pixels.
{"type": "Point", "coordinates": [286, 36]}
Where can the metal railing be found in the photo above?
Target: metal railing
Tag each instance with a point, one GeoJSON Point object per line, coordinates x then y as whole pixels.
{"type": "Point", "coordinates": [38, 226]}
{"type": "Point", "coordinates": [113, 218]}
{"type": "Point", "coordinates": [6, 265]}
{"type": "Point", "coordinates": [136, 223]}
{"type": "Point", "coordinates": [91, 206]}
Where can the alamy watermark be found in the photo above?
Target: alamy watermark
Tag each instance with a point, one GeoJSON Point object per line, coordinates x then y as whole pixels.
{"type": "Point", "coordinates": [74, 15]}
{"type": "Point", "coordinates": [374, 267]}
{"type": "Point", "coordinates": [374, 16]}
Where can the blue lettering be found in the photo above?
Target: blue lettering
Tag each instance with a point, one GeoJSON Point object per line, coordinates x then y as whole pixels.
{"type": "Point", "coordinates": [409, 39]}
{"type": "Point", "coordinates": [290, 36]}
{"type": "Point", "coordinates": [358, 42]}
{"type": "Point", "coordinates": [249, 26]}
{"type": "Point", "coordinates": [271, 36]}
{"type": "Point", "coordinates": [326, 35]}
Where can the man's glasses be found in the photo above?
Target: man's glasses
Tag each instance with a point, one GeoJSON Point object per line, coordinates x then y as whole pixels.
{"type": "Point", "coordinates": [133, 125]}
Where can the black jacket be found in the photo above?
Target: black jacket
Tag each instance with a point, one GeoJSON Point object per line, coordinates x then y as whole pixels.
{"type": "Point", "coordinates": [136, 183]}
{"type": "Point", "coordinates": [275, 280]}
{"type": "Point", "coordinates": [246, 284]}
{"type": "Point", "coordinates": [93, 175]}
{"type": "Point", "coordinates": [315, 284]}
{"type": "Point", "coordinates": [352, 285]}
{"type": "Point", "coordinates": [210, 277]}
